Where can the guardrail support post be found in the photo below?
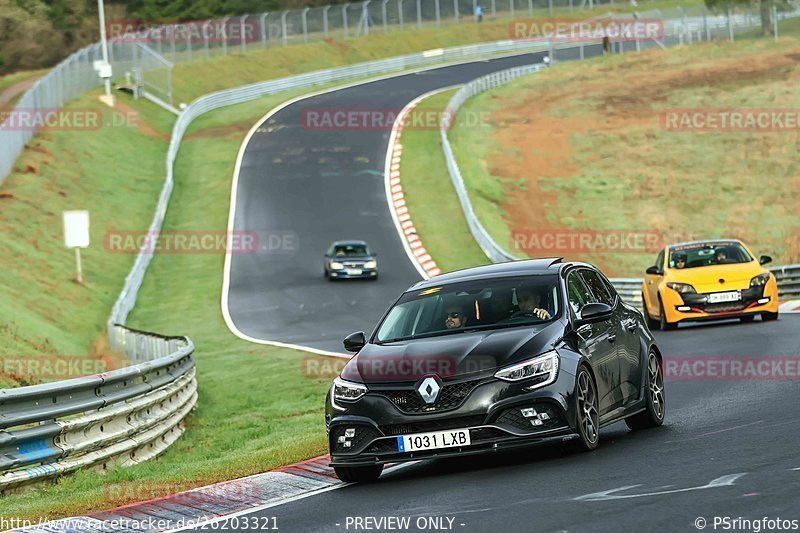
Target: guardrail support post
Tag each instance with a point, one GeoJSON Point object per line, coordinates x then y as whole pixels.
{"type": "Point", "coordinates": [730, 24]}
{"type": "Point", "coordinates": [263, 21]}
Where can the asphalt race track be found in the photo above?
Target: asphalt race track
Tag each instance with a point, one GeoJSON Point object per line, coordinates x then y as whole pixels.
{"type": "Point", "coordinates": [717, 432]}
{"type": "Point", "coordinates": [729, 447]}
{"type": "Point", "coordinates": [307, 187]}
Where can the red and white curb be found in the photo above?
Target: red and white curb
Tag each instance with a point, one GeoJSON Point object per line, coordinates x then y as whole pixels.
{"type": "Point", "coordinates": [394, 194]}
{"type": "Point", "coordinates": [792, 306]}
{"type": "Point", "coordinates": [204, 505]}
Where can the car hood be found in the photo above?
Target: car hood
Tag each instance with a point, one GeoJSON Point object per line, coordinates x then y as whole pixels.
{"type": "Point", "coordinates": [478, 354]}
{"type": "Point", "coordinates": [706, 279]}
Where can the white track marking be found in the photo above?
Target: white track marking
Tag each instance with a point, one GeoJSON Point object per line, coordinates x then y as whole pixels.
{"type": "Point", "coordinates": [724, 481]}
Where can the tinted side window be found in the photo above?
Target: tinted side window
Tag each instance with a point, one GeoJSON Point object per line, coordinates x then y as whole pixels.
{"type": "Point", "coordinates": [577, 292]}
{"type": "Point", "coordinates": [597, 287]}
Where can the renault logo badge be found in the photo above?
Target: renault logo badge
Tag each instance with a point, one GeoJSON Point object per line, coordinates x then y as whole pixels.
{"type": "Point", "coordinates": [429, 389]}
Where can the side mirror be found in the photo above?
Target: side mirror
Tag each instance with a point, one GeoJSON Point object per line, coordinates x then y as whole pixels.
{"type": "Point", "coordinates": [765, 259]}
{"type": "Point", "coordinates": [355, 341]}
{"type": "Point", "coordinates": [595, 312]}
{"type": "Point", "coordinates": [653, 271]}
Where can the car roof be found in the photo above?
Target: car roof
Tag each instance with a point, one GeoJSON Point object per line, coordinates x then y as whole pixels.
{"type": "Point", "coordinates": [707, 241]}
{"type": "Point", "coordinates": [346, 243]}
{"type": "Point", "coordinates": [522, 267]}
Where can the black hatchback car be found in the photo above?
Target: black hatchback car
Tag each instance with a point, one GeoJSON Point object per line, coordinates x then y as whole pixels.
{"type": "Point", "coordinates": [491, 358]}
{"type": "Point", "coordinates": [350, 260]}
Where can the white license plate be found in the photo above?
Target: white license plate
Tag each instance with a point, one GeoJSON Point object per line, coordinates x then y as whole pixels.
{"type": "Point", "coordinates": [718, 297]}
{"type": "Point", "coordinates": [451, 438]}
{"type": "Point", "coordinates": [353, 271]}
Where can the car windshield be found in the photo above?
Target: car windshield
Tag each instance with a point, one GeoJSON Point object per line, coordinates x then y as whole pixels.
{"type": "Point", "coordinates": [350, 250]}
{"type": "Point", "coordinates": [471, 306]}
{"type": "Point", "coordinates": [707, 254]}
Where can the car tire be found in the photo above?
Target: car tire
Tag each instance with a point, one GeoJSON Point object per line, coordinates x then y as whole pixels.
{"type": "Point", "coordinates": [358, 474]}
{"type": "Point", "coordinates": [651, 322]}
{"type": "Point", "coordinates": [769, 316]}
{"type": "Point", "coordinates": [587, 418]}
{"type": "Point", "coordinates": [747, 319]}
{"type": "Point", "coordinates": [663, 323]}
{"type": "Point", "coordinates": [653, 415]}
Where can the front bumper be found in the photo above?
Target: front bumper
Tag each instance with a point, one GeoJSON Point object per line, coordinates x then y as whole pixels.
{"type": "Point", "coordinates": [367, 273]}
{"type": "Point", "coordinates": [695, 307]}
{"type": "Point", "coordinates": [491, 411]}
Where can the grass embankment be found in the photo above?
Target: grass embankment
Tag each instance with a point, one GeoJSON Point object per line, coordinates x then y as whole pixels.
{"type": "Point", "coordinates": [257, 410]}
{"type": "Point", "coordinates": [115, 172]}
{"type": "Point", "coordinates": [219, 72]}
{"type": "Point", "coordinates": [596, 157]}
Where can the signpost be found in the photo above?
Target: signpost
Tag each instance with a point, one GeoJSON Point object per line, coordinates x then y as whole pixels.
{"type": "Point", "coordinates": [76, 235]}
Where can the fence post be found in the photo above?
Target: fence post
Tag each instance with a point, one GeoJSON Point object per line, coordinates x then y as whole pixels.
{"type": "Point", "coordinates": [775, 21]}
{"type": "Point", "coordinates": [365, 16]}
{"type": "Point", "coordinates": [205, 38]}
{"type": "Point", "coordinates": [225, 36]}
{"type": "Point", "coordinates": [263, 20]}
{"type": "Point", "coordinates": [344, 20]}
{"type": "Point", "coordinates": [172, 41]}
{"type": "Point", "coordinates": [530, 8]}
{"type": "Point", "coordinates": [494, 8]}
{"type": "Point", "coordinates": [305, 24]}
{"type": "Point", "coordinates": [419, 13]}
{"type": "Point", "coordinates": [511, 5]}
{"type": "Point", "coordinates": [383, 16]}
{"type": "Point", "coordinates": [244, 33]}
{"type": "Point", "coordinates": [436, 9]}
{"type": "Point", "coordinates": [705, 24]}
{"type": "Point", "coordinates": [325, 20]}
{"type": "Point", "coordinates": [730, 24]}
{"type": "Point", "coordinates": [570, 5]}
{"type": "Point", "coordinates": [284, 37]}
{"type": "Point", "coordinates": [455, 10]}
{"type": "Point", "coordinates": [550, 7]}
{"type": "Point", "coordinates": [400, 14]}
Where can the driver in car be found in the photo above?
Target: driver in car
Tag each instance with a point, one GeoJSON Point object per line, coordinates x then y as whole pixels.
{"type": "Point", "coordinates": [529, 300]}
{"type": "Point", "coordinates": [454, 317]}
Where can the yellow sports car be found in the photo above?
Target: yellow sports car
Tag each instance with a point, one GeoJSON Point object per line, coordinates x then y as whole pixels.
{"type": "Point", "coordinates": [708, 280]}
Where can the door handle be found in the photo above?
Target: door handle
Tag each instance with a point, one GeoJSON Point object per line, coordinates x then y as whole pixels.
{"type": "Point", "coordinates": [612, 338]}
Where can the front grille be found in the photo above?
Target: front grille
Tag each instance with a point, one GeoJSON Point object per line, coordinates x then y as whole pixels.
{"type": "Point", "coordinates": [433, 425]}
{"type": "Point", "coordinates": [513, 417]}
{"type": "Point", "coordinates": [480, 434]}
{"type": "Point", "coordinates": [363, 436]}
{"type": "Point", "coordinates": [353, 264]}
{"type": "Point", "coordinates": [726, 307]}
{"type": "Point", "coordinates": [450, 397]}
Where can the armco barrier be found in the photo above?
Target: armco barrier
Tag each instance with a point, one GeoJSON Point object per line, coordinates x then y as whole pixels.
{"type": "Point", "coordinates": [125, 416]}
{"type": "Point", "coordinates": [677, 31]}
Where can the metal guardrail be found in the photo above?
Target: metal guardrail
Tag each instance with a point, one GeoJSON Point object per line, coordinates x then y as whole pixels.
{"type": "Point", "coordinates": [125, 416]}
{"type": "Point", "coordinates": [683, 30]}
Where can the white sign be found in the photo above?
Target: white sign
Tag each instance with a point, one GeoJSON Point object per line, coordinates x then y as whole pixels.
{"type": "Point", "coordinates": [76, 229]}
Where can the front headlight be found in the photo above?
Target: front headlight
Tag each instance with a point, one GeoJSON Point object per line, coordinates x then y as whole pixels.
{"type": "Point", "coordinates": [545, 365]}
{"type": "Point", "coordinates": [336, 266]}
{"type": "Point", "coordinates": [760, 280]}
{"type": "Point", "coordinates": [683, 288]}
{"type": "Point", "coordinates": [371, 264]}
{"type": "Point", "coordinates": [346, 391]}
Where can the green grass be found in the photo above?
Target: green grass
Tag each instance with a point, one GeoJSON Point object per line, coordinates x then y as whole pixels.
{"type": "Point", "coordinates": [191, 80]}
{"type": "Point", "coordinates": [688, 185]}
{"type": "Point", "coordinates": [430, 197]}
{"type": "Point", "coordinates": [115, 173]}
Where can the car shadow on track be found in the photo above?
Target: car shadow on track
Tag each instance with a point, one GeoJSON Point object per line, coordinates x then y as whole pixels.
{"type": "Point", "coordinates": [611, 438]}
